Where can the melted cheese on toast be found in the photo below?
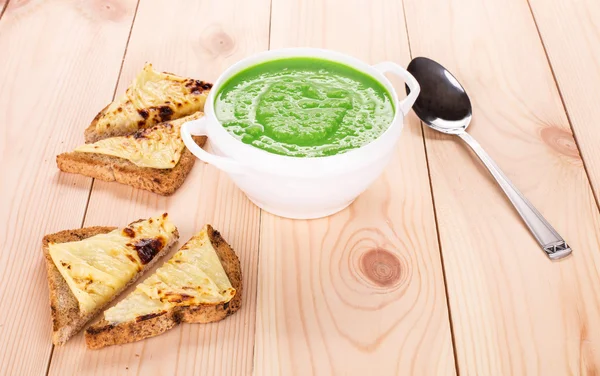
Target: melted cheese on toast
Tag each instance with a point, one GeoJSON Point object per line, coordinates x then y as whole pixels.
{"type": "Point", "coordinates": [157, 147]}
{"type": "Point", "coordinates": [193, 276]}
{"type": "Point", "coordinates": [152, 98]}
{"type": "Point", "coordinates": [98, 267]}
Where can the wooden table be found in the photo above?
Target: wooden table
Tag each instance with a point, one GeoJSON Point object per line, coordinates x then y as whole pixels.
{"type": "Point", "coordinates": [429, 272]}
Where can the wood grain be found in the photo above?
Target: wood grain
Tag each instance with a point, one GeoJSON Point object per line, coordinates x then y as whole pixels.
{"type": "Point", "coordinates": [571, 34]}
{"type": "Point", "coordinates": [360, 292]}
{"type": "Point", "coordinates": [197, 40]}
{"type": "Point", "coordinates": [513, 311]}
{"type": "Point", "coordinates": [60, 61]}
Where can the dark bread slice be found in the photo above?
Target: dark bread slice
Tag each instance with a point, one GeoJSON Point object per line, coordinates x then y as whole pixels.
{"type": "Point", "coordinates": [108, 168]}
{"type": "Point", "coordinates": [103, 333]}
{"type": "Point", "coordinates": [67, 319]}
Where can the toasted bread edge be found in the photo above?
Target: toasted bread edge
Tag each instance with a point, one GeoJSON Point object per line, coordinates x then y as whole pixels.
{"type": "Point", "coordinates": [114, 169]}
{"type": "Point", "coordinates": [90, 135]}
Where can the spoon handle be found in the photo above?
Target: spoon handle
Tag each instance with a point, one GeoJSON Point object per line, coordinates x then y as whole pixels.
{"type": "Point", "coordinates": [550, 241]}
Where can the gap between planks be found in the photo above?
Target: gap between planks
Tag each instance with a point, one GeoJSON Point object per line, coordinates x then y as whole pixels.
{"type": "Point", "coordinates": [562, 101]}
{"type": "Point", "coordinates": [4, 8]}
{"type": "Point", "coordinates": [435, 217]}
{"type": "Point", "coordinates": [269, 48]}
{"type": "Point", "coordinates": [87, 204]}
{"type": "Point", "coordinates": [260, 215]}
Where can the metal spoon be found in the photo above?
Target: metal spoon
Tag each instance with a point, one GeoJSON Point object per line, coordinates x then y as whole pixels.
{"type": "Point", "coordinates": [445, 106]}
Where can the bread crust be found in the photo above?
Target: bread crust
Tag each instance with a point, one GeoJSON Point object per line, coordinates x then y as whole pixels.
{"type": "Point", "coordinates": [90, 133]}
{"type": "Point", "coordinates": [67, 319]}
{"type": "Point", "coordinates": [103, 333]}
{"type": "Point", "coordinates": [109, 168]}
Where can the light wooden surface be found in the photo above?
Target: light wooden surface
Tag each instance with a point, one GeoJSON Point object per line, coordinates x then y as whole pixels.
{"type": "Point", "coordinates": [370, 290]}
{"type": "Point", "coordinates": [571, 34]}
{"type": "Point", "coordinates": [59, 63]}
{"type": "Point", "coordinates": [513, 311]}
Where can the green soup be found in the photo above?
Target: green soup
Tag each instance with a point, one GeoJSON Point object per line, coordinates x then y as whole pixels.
{"type": "Point", "coordinates": [304, 107]}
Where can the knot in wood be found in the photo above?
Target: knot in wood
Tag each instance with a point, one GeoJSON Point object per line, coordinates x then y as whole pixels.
{"type": "Point", "coordinates": [381, 267]}
{"type": "Point", "coordinates": [560, 141]}
{"type": "Point", "coordinates": [216, 41]}
{"type": "Point", "coordinates": [112, 10]}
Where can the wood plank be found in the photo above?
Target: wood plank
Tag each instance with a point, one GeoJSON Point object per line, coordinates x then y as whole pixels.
{"type": "Point", "coordinates": [198, 40]}
{"type": "Point", "coordinates": [571, 34]}
{"type": "Point", "coordinates": [361, 292]}
{"type": "Point", "coordinates": [60, 61]}
{"type": "Point", "coordinates": [513, 310]}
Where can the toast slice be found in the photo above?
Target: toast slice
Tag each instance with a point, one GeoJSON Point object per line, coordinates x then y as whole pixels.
{"type": "Point", "coordinates": [170, 306]}
{"type": "Point", "coordinates": [143, 148]}
{"type": "Point", "coordinates": [153, 97]}
{"type": "Point", "coordinates": [67, 316]}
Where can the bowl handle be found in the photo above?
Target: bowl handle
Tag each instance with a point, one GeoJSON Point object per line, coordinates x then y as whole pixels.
{"type": "Point", "coordinates": [198, 128]}
{"type": "Point", "coordinates": [411, 82]}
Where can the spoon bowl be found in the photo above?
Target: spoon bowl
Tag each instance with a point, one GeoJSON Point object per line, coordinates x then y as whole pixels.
{"type": "Point", "coordinates": [443, 103]}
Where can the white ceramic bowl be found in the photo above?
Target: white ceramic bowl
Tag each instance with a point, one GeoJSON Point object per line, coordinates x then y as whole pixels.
{"type": "Point", "coordinates": [296, 187]}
